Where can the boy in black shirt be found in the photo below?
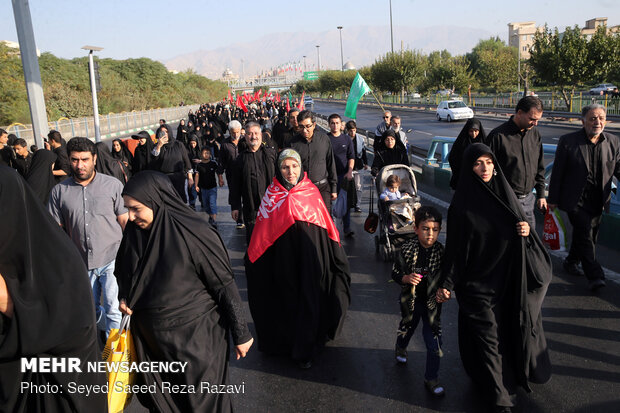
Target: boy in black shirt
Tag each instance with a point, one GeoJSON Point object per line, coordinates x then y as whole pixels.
{"type": "Point", "coordinates": [206, 184]}
{"type": "Point", "coordinates": [417, 268]}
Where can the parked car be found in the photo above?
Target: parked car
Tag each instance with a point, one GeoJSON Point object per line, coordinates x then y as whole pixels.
{"type": "Point", "coordinates": [453, 110]}
{"type": "Point", "coordinates": [603, 87]}
{"type": "Point", "coordinates": [308, 102]}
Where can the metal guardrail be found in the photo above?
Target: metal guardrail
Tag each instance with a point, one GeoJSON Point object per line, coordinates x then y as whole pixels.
{"type": "Point", "coordinates": [111, 125]}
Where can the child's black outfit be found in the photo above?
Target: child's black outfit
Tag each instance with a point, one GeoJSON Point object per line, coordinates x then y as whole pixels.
{"type": "Point", "coordinates": [419, 303]}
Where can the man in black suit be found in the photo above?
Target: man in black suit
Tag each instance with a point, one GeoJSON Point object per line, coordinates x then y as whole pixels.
{"type": "Point", "coordinates": [585, 163]}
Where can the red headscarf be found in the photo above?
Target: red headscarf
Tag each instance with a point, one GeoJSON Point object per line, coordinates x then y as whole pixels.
{"type": "Point", "coordinates": [279, 209]}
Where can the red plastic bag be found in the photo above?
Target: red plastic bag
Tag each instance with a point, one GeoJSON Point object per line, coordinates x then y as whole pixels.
{"type": "Point", "coordinates": [554, 231]}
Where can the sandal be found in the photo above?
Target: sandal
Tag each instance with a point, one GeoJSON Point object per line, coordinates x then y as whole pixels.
{"type": "Point", "coordinates": [434, 388]}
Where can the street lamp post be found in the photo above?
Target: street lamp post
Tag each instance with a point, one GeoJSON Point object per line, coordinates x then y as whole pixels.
{"type": "Point", "coordinates": [341, 54]}
{"type": "Point", "coordinates": [305, 63]}
{"type": "Point", "coordinates": [318, 57]}
{"type": "Point", "coordinates": [518, 61]}
{"type": "Point", "coordinates": [93, 88]}
{"type": "Point", "coordinates": [391, 29]}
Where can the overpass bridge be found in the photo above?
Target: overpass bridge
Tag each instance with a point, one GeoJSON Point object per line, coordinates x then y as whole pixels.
{"type": "Point", "coordinates": [273, 82]}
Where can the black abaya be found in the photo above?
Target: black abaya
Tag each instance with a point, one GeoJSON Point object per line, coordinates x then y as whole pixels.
{"type": "Point", "coordinates": [40, 176]}
{"type": "Point", "coordinates": [107, 165]}
{"type": "Point", "coordinates": [177, 279]}
{"type": "Point", "coordinates": [500, 280]}
{"type": "Point", "coordinates": [54, 312]}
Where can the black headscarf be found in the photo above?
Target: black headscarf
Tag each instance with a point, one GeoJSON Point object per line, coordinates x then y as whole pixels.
{"type": "Point", "coordinates": [487, 262]}
{"type": "Point", "coordinates": [54, 312]}
{"type": "Point", "coordinates": [177, 235]}
{"type": "Point", "coordinates": [106, 164]}
{"type": "Point", "coordinates": [124, 155]}
{"type": "Point", "coordinates": [385, 156]}
{"type": "Point", "coordinates": [142, 156]}
{"type": "Point", "coordinates": [193, 153]}
{"type": "Point", "coordinates": [462, 142]}
{"type": "Point", "coordinates": [40, 176]}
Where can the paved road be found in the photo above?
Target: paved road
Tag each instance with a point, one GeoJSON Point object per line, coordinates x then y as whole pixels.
{"type": "Point", "coordinates": [357, 372]}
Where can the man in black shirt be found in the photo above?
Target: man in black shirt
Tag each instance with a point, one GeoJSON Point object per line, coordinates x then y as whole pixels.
{"type": "Point", "coordinates": [518, 148]}
{"type": "Point", "coordinates": [283, 133]}
{"type": "Point", "coordinates": [585, 163]}
{"type": "Point", "coordinates": [6, 153]}
{"type": "Point", "coordinates": [62, 168]}
{"type": "Point", "coordinates": [23, 157]}
{"type": "Point", "coordinates": [253, 171]}
{"type": "Point", "coordinates": [317, 158]}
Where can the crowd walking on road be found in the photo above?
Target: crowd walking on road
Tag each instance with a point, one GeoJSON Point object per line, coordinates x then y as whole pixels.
{"type": "Point", "coordinates": [137, 222]}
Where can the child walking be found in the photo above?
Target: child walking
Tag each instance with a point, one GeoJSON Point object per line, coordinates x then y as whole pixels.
{"type": "Point", "coordinates": [417, 268]}
{"type": "Point", "coordinates": [206, 184]}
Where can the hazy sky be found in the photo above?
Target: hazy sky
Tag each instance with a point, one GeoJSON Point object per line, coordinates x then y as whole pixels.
{"type": "Point", "coordinates": [162, 29]}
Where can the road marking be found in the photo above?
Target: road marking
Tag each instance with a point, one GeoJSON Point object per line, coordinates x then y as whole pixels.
{"type": "Point", "coordinates": [609, 274]}
{"type": "Point", "coordinates": [422, 132]}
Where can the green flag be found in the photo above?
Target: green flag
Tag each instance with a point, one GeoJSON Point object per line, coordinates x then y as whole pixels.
{"type": "Point", "coordinates": [358, 89]}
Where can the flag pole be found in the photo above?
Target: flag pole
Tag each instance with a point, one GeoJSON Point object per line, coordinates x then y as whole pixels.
{"type": "Point", "coordinates": [375, 96]}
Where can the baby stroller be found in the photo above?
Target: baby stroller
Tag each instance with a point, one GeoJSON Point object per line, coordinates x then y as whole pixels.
{"type": "Point", "coordinates": [396, 222]}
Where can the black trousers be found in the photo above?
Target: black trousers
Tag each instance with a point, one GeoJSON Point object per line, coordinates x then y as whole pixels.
{"type": "Point", "coordinates": [583, 245]}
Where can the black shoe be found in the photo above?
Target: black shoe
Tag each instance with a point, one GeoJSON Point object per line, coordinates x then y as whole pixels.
{"type": "Point", "coordinates": [349, 234]}
{"type": "Point", "coordinates": [572, 268]}
{"type": "Point", "coordinates": [502, 409]}
{"type": "Point", "coordinates": [358, 209]}
{"type": "Point", "coordinates": [434, 388]}
{"type": "Point", "coordinates": [596, 284]}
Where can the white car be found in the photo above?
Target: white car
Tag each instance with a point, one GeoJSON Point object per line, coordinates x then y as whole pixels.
{"type": "Point", "coordinates": [453, 110]}
{"type": "Point", "coordinates": [603, 87]}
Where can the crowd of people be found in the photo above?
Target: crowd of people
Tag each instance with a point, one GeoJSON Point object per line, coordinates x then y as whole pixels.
{"type": "Point", "coordinates": [138, 219]}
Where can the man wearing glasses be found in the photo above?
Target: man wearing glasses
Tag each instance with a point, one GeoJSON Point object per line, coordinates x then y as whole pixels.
{"type": "Point", "coordinates": [382, 127]}
{"type": "Point", "coordinates": [317, 158]}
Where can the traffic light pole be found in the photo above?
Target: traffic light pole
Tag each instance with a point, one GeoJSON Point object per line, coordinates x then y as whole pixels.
{"type": "Point", "coordinates": [93, 88]}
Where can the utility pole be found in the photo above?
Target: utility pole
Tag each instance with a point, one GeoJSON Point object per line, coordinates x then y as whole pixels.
{"type": "Point", "coordinates": [305, 64]}
{"type": "Point", "coordinates": [318, 57]}
{"type": "Point", "coordinates": [341, 54]}
{"type": "Point", "coordinates": [93, 88]}
{"type": "Point", "coordinates": [32, 75]}
{"type": "Point", "coordinates": [391, 28]}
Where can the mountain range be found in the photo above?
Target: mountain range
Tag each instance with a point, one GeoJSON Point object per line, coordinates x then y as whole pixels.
{"type": "Point", "coordinates": [362, 45]}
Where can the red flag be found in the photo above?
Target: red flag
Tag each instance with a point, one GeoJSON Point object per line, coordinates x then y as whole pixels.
{"type": "Point", "coordinates": [302, 105]}
{"type": "Point", "coordinates": [229, 96]}
{"type": "Point", "coordinates": [278, 97]}
{"type": "Point", "coordinates": [288, 105]}
{"type": "Point", "coordinates": [241, 104]}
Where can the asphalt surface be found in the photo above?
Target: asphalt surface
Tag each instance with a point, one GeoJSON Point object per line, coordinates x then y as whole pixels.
{"type": "Point", "coordinates": [357, 372]}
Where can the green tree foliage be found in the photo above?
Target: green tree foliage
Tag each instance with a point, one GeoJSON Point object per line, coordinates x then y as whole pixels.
{"type": "Point", "coordinates": [132, 84]}
{"type": "Point", "coordinates": [447, 72]}
{"type": "Point", "coordinates": [601, 47]}
{"type": "Point", "coordinates": [494, 64]}
{"type": "Point", "coordinates": [395, 72]}
{"type": "Point", "coordinates": [561, 60]}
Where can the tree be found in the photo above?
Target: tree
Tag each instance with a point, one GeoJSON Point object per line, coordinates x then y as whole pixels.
{"type": "Point", "coordinates": [494, 64]}
{"type": "Point", "coordinates": [603, 52]}
{"type": "Point", "coordinates": [447, 72]}
{"type": "Point", "coordinates": [396, 72]}
{"type": "Point", "coordinates": [561, 59]}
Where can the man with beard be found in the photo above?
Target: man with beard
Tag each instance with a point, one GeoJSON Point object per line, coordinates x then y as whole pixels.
{"type": "Point", "coordinates": [395, 125]}
{"type": "Point", "coordinates": [283, 133]}
{"type": "Point", "coordinates": [6, 153]}
{"type": "Point", "coordinates": [253, 171]}
{"type": "Point", "coordinates": [517, 144]}
{"type": "Point", "coordinates": [317, 157]}
{"type": "Point", "coordinates": [89, 207]}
